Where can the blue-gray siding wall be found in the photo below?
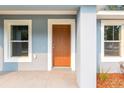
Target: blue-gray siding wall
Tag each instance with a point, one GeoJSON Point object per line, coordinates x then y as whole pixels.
{"type": "Point", "coordinates": [113, 66]}
{"type": "Point", "coordinates": [39, 41]}
{"type": "Point", "coordinates": [98, 44]}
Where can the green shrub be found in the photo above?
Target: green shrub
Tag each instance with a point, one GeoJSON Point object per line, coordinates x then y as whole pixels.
{"type": "Point", "coordinates": [104, 74]}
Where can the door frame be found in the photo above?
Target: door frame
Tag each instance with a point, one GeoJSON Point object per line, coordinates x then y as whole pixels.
{"type": "Point", "coordinates": [61, 21]}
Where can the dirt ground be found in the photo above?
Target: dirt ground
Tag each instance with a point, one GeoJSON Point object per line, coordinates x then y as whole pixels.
{"type": "Point", "coordinates": [114, 80]}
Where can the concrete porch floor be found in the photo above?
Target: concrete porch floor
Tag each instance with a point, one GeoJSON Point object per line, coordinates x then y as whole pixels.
{"type": "Point", "coordinates": [38, 79]}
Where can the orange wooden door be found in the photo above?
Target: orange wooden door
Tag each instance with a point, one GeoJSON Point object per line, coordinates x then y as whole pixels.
{"type": "Point", "coordinates": [61, 45]}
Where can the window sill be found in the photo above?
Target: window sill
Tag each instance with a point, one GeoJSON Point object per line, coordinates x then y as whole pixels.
{"type": "Point", "coordinates": [22, 59]}
{"type": "Point", "coordinates": [112, 59]}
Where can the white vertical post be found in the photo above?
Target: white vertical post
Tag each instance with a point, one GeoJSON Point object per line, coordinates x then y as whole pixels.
{"type": "Point", "coordinates": [86, 47]}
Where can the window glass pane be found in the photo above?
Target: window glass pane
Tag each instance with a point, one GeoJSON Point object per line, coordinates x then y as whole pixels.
{"type": "Point", "coordinates": [117, 30]}
{"type": "Point", "coordinates": [112, 49]}
{"type": "Point", "coordinates": [108, 33]}
{"type": "Point", "coordinates": [19, 48]}
{"type": "Point", "coordinates": [19, 32]}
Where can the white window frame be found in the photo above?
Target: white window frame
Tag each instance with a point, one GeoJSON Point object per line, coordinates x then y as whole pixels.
{"type": "Point", "coordinates": [112, 58]}
{"type": "Point", "coordinates": [7, 50]}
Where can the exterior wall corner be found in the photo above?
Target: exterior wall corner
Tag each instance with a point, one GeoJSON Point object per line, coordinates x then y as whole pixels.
{"type": "Point", "coordinates": [86, 47]}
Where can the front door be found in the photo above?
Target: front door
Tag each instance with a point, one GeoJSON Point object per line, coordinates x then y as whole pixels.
{"type": "Point", "coordinates": [61, 44]}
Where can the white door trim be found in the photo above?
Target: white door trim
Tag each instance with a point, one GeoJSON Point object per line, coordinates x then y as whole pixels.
{"type": "Point", "coordinates": [61, 21]}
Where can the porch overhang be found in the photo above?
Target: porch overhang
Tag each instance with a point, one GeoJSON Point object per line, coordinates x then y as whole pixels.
{"type": "Point", "coordinates": [39, 10]}
{"type": "Point", "coordinates": [13, 12]}
{"type": "Point", "coordinates": [110, 15]}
